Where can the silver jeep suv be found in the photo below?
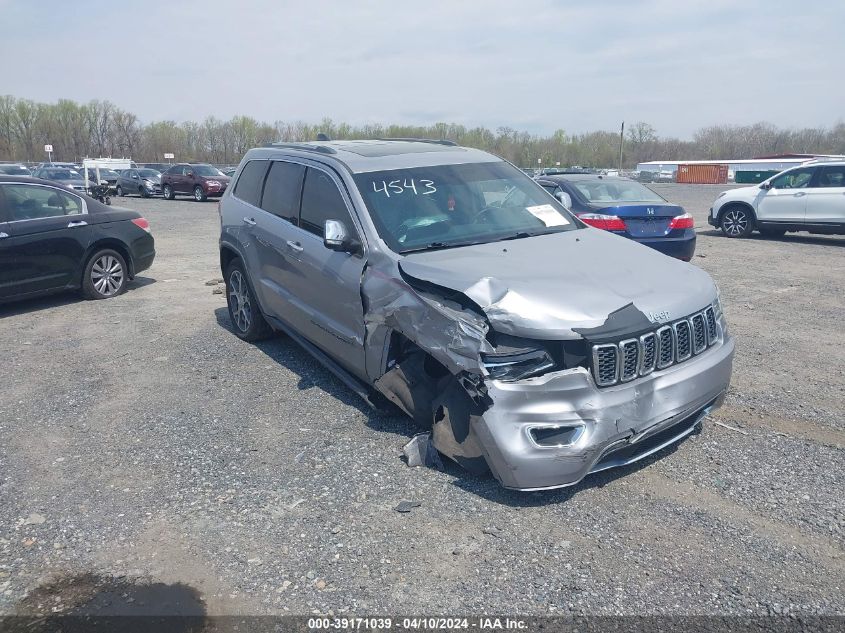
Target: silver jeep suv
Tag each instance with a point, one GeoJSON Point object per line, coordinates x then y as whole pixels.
{"type": "Point", "coordinates": [445, 280]}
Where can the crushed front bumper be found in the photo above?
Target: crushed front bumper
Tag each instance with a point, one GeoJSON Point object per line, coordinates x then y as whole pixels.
{"type": "Point", "coordinates": [620, 424]}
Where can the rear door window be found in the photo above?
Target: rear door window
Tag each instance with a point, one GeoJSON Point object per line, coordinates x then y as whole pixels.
{"type": "Point", "coordinates": [282, 190]}
{"type": "Point", "coordinates": [251, 182]}
{"type": "Point", "coordinates": [321, 201]}
{"type": "Point", "coordinates": [832, 176]}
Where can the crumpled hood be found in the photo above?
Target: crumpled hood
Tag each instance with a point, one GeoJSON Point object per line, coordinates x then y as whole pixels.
{"type": "Point", "coordinates": [546, 286]}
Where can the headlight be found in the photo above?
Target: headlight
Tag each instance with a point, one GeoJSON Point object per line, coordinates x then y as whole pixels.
{"type": "Point", "coordinates": [149, 184]}
{"type": "Point", "coordinates": [213, 183]}
{"type": "Point", "coordinates": [517, 364]}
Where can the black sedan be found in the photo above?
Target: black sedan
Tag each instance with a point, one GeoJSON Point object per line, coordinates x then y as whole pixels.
{"type": "Point", "coordinates": [52, 239]}
{"type": "Point", "coordinates": [627, 208]}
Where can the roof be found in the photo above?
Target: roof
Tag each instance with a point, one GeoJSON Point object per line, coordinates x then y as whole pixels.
{"type": "Point", "coordinates": [574, 177]}
{"type": "Point", "coordinates": [362, 156]}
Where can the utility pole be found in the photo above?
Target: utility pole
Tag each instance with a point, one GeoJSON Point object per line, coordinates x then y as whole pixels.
{"type": "Point", "coordinates": [621, 143]}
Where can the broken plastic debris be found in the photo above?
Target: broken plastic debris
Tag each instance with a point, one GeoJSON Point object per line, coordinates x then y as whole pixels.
{"type": "Point", "coordinates": [407, 506]}
{"type": "Point", "coordinates": [420, 451]}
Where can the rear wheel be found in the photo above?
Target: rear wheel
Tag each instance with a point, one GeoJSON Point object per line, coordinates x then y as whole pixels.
{"type": "Point", "coordinates": [199, 194]}
{"type": "Point", "coordinates": [105, 275]}
{"type": "Point", "coordinates": [736, 222]}
{"type": "Point", "coordinates": [247, 320]}
{"type": "Point", "coordinates": [167, 192]}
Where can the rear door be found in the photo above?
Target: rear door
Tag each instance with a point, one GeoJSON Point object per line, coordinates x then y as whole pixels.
{"type": "Point", "coordinates": [826, 198]}
{"type": "Point", "coordinates": [47, 236]}
{"type": "Point", "coordinates": [786, 201]}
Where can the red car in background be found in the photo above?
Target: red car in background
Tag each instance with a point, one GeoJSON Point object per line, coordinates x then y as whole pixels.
{"type": "Point", "coordinates": [201, 181]}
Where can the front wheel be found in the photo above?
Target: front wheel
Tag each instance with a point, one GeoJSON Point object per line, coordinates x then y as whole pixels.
{"type": "Point", "coordinates": [120, 191]}
{"type": "Point", "coordinates": [247, 320]}
{"type": "Point", "coordinates": [736, 222]}
{"type": "Point", "coordinates": [199, 194]}
{"type": "Point", "coordinates": [143, 192]}
{"type": "Point", "coordinates": [167, 192]}
{"type": "Point", "coordinates": [105, 275]}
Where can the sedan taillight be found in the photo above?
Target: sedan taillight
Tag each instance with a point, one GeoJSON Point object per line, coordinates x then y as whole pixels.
{"type": "Point", "coordinates": [142, 223]}
{"type": "Point", "coordinates": [684, 221]}
{"type": "Point", "coordinates": [602, 221]}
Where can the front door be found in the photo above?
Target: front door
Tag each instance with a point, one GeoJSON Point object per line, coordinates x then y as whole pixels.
{"type": "Point", "coordinates": [826, 198]}
{"type": "Point", "coordinates": [786, 201]}
{"type": "Point", "coordinates": [47, 236]}
{"type": "Point", "coordinates": [326, 288]}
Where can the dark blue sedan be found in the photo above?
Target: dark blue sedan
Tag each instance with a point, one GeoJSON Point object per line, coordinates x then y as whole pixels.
{"type": "Point", "coordinates": [627, 208]}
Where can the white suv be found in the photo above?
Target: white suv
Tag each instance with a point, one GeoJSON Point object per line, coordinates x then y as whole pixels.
{"type": "Point", "coordinates": [806, 198]}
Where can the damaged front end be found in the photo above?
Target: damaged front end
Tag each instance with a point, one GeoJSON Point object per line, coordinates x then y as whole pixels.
{"type": "Point", "coordinates": [528, 409]}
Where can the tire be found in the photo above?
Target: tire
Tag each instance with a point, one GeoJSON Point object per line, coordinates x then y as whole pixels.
{"type": "Point", "coordinates": [247, 321]}
{"type": "Point", "coordinates": [775, 233]}
{"type": "Point", "coordinates": [199, 194]}
{"type": "Point", "coordinates": [108, 201]}
{"type": "Point", "coordinates": [167, 192]}
{"type": "Point", "coordinates": [120, 191]}
{"type": "Point", "coordinates": [105, 275]}
{"type": "Point", "coordinates": [143, 192]}
{"type": "Point", "coordinates": [736, 221]}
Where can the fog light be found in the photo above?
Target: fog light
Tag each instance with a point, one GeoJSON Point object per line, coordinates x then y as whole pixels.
{"type": "Point", "coordinates": [556, 436]}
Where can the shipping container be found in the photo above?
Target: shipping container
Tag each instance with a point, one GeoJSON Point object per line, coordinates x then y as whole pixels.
{"type": "Point", "coordinates": [752, 177]}
{"type": "Point", "coordinates": [702, 174]}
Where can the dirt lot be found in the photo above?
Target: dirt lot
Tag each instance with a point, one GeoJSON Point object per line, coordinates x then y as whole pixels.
{"type": "Point", "coordinates": [141, 441]}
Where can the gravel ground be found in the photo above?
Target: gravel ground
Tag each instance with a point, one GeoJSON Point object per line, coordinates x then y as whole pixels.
{"type": "Point", "coordinates": [142, 442]}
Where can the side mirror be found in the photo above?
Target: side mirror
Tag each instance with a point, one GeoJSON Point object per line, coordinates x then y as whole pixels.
{"type": "Point", "coordinates": [336, 237]}
{"type": "Point", "coordinates": [766, 185]}
{"type": "Point", "coordinates": [564, 199]}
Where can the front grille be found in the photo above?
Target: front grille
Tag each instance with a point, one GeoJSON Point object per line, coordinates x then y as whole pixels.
{"type": "Point", "coordinates": [629, 358]}
{"type": "Point", "coordinates": [683, 342]}
{"type": "Point", "coordinates": [605, 364]}
{"type": "Point", "coordinates": [710, 317]}
{"type": "Point", "coordinates": [699, 333]}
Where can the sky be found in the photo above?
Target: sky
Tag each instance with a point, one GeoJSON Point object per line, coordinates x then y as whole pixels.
{"type": "Point", "coordinates": [535, 65]}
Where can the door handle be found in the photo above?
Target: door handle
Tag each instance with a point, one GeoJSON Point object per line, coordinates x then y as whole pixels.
{"type": "Point", "coordinates": [250, 221]}
{"type": "Point", "coordinates": [75, 223]}
{"type": "Point", "coordinates": [800, 193]}
{"type": "Point", "coordinates": [296, 246]}
{"type": "Point", "coordinates": [3, 235]}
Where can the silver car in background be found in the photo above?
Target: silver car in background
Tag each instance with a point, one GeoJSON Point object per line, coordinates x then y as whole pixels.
{"type": "Point", "coordinates": [142, 181]}
{"type": "Point", "coordinates": [445, 280]}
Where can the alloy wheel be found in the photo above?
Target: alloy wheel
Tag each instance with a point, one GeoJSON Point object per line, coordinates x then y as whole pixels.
{"type": "Point", "coordinates": [735, 222]}
{"type": "Point", "coordinates": [239, 303]}
{"type": "Point", "coordinates": [198, 194]}
{"type": "Point", "coordinates": [107, 275]}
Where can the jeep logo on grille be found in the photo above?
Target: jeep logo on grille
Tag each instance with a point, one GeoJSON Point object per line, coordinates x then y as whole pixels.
{"type": "Point", "coordinates": [659, 316]}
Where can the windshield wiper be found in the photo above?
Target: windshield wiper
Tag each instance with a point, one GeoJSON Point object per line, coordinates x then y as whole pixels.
{"type": "Point", "coordinates": [433, 246]}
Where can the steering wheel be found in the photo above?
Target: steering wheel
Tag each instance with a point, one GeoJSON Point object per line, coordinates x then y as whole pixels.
{"type": "Point", "coordinates": [476, 219]}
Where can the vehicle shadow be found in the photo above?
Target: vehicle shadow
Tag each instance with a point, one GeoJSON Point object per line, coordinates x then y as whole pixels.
{"type": "Point", "coordinates": [800, 238]}
{"type": "Point", "coordinates": [288, 353]}
{"type": "Point", "coordinates": [47, 302]}
{"type": "Point", "coordinates": [285, 351]}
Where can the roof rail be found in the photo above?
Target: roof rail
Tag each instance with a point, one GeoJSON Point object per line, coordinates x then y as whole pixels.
{"type": "Point", "coordinates": [441, 141]}
{"type": "Point", "coordinates": [308, 147]}
{"type": "Point", "coordinates": [825, 159]}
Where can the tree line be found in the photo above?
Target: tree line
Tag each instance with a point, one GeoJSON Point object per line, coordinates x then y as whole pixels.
{"type": "Point", "coordinates": [101, 129]}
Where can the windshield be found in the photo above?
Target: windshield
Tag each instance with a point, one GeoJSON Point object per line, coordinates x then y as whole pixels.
{"type": "Point", "coordinates": [612, 191]}
{"type": "Point", "coordinates": [206, 170]}
{"type": "Point", "coordinates": [62, 174]}
{"type": "Point", "coordinates": [148, 173]}
{"type": "Point", "coordinates": [454, 205]}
